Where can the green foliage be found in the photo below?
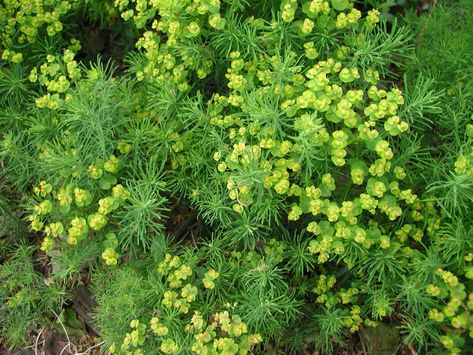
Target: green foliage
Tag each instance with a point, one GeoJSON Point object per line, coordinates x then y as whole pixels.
{"type": "Point", "coordinates": [142, 215]}
{"type": "Point", "coordinates": [14, 85]}
{"type": "Point", "coordinates": [238, 177]}
{"type": "Point", "coordinates": [330, 326]}
{"type": "Point", "coordinates": [174, 300]}
{"type": "Point", "coordinates": [26, 298]}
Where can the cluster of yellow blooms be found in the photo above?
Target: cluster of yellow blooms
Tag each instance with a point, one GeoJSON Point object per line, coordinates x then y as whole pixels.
{"type": "Point", "coordinates": [22, 21]}
{"type": "Point", "coordinates": [314, 8]}
{"type": "Point", "coordinates": [329, 101]}
{"type": "Point", "coordinates": [464, 163]}
{"type": "Point", "coordinates": [57, 75]}
{"type": "Point", "coordinates": [222, 334]}
{"type": "Point", "coordinates": [458, 307]}
{"type": "Point", "coordinates": [133, 340]}
{"type": "Point", "coordinates": [172, 27]}
{"type": "Point", "coordinates": [329, 298]}
{"type": "Point", "coordinates": [69, 214]}
{"type": "Point", "coordinates": [181, 293]}
{"type": "Point", "coordinates": [336, 112]}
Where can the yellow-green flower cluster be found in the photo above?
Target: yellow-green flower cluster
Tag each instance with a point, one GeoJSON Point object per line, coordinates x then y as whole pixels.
{"type": "Point", "coordinates": [181, 293]}
{"type": "Point", "coordinates": [409, 230]}
{"type": "Point", "coordinates": [218, 333]}
{"type": "Point", "coordinates": [133, 341]}
{"type": "Point", "coordinates": [456, 312]}
{"type": "Point", "coordinates": [158, 328]}
{"type": "Point", "coordinates": [223, 334]}
{"type": "Point", "coordinates": [56, 75]}
{"type": "Point", "coordinates": [22, 21]}
{"type": "Point", "coordinates": [69, 215]}
{"type": "Point", "coordinates": [178, 141]}
{"type": "Point", "coordinates": [169, 26]}
{"type": "Point", "coordinates": [169, 346]}
{"type": "Point", "coordinates": [348, 19]}
{"type": "Point", "coordinates": [346, 16]}
{"type": "Point", "coordinates": [372, 18]}
{"type": "Point", "coordinates": [43, 188]}
{"type": "Point", "coordinates": [464, 163]}
{"type": "Point", "coordinates": [110, 256]}
{"type": "Point", "coordinates": [236, 81]}
{"type": "Point", "coordinates": [209, 278]}
{"type": "Point", "coordinates": [336, 116]}
{"type": "Point", "coordinates": [341, 298]}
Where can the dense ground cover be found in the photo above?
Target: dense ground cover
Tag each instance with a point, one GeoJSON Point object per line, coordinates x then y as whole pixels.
{"type": "Point", "coordinates": [234, 176]}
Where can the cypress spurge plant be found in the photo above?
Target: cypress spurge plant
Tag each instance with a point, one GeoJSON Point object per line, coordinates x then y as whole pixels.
{"type": "Point", "coordinates": [323, 161]}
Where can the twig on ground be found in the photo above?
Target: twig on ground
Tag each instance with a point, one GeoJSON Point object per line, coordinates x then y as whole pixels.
{"type": "Point", "coordinates": [37, 340]}
{"type": "Point", "coordinates": [363, 345]}
{"type": "Point", "coordinates": [413, 351]}
{"type": "Point", "coordinates": [69, 344]}
{"type": "Point", "coordinates": [86, 352]}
